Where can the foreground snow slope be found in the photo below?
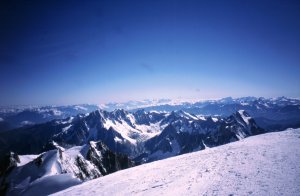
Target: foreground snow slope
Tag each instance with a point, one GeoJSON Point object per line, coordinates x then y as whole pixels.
{"type": "Point", "coordinates": [267, 164]}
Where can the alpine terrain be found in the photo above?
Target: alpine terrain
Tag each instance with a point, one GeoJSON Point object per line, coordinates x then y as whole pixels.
{"type": "Point", "coordinates": [91, 145]}
{"type": "Point", "coordinates": [79, 146]}
{"type": "Point", "coordinates": [266, 164]}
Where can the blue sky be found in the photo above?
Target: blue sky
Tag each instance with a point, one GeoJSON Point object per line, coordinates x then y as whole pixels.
{"type": "Point", "coordinates": [65, 52]}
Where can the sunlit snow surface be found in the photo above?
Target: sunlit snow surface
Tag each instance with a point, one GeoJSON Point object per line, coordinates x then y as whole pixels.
{"type": "Point", "coordinates": [24, 159]}
{"type": "Point", "coordinates": [266, 164]}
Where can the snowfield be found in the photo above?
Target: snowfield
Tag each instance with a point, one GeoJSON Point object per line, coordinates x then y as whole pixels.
{"type": "Point", "coordinates": [267, 164]}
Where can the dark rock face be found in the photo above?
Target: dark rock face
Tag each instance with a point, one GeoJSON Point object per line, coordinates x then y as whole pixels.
{"type": "Point", "coordinates": [7, 164]}
{"type": "Point", "coordinates": [146, 118]}
{"type": "Point", "coordinates": [84, 171]}
{"type": "Point", "coordinates": [107, 161]}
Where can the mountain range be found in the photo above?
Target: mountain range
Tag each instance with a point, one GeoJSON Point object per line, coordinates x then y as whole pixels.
{"type": "Point", "coordinates": [12, 117]}
{"type": "Point", "coordinates": [132, 133]}
{"type": "Point", "coordinates": [272, 114]}
{"type": "Point", "coordinates": [90, 145]}
{"type": "Point", "coordinates": [86, 143]}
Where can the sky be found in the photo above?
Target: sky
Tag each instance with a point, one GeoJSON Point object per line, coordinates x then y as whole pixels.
{"type": "Point", "coordinates": [69, 52]}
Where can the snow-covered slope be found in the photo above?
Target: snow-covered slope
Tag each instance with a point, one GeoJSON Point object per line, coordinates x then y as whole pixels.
{"type": "Point", "coordinates": [267, 164]}
{"type": "Point", "coordinates": [59, 168]}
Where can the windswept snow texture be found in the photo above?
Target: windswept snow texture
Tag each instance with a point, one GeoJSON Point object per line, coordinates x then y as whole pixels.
{"type": "Point", "coordinates": [267, 164]}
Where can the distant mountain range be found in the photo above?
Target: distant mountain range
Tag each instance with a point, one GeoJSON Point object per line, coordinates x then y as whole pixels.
{"type": "Point", "coordinates": [18, 116]}
{"type": "Point", "coordinates": [272, 114]}
{"type": "Point", "coordinates": [82, 142]}
{"type": "Point", "coordinates": [132, 133]}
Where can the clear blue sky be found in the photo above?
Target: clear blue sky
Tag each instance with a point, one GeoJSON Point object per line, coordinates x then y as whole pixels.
{"type": "Point", "coordinates": [65, 52]}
